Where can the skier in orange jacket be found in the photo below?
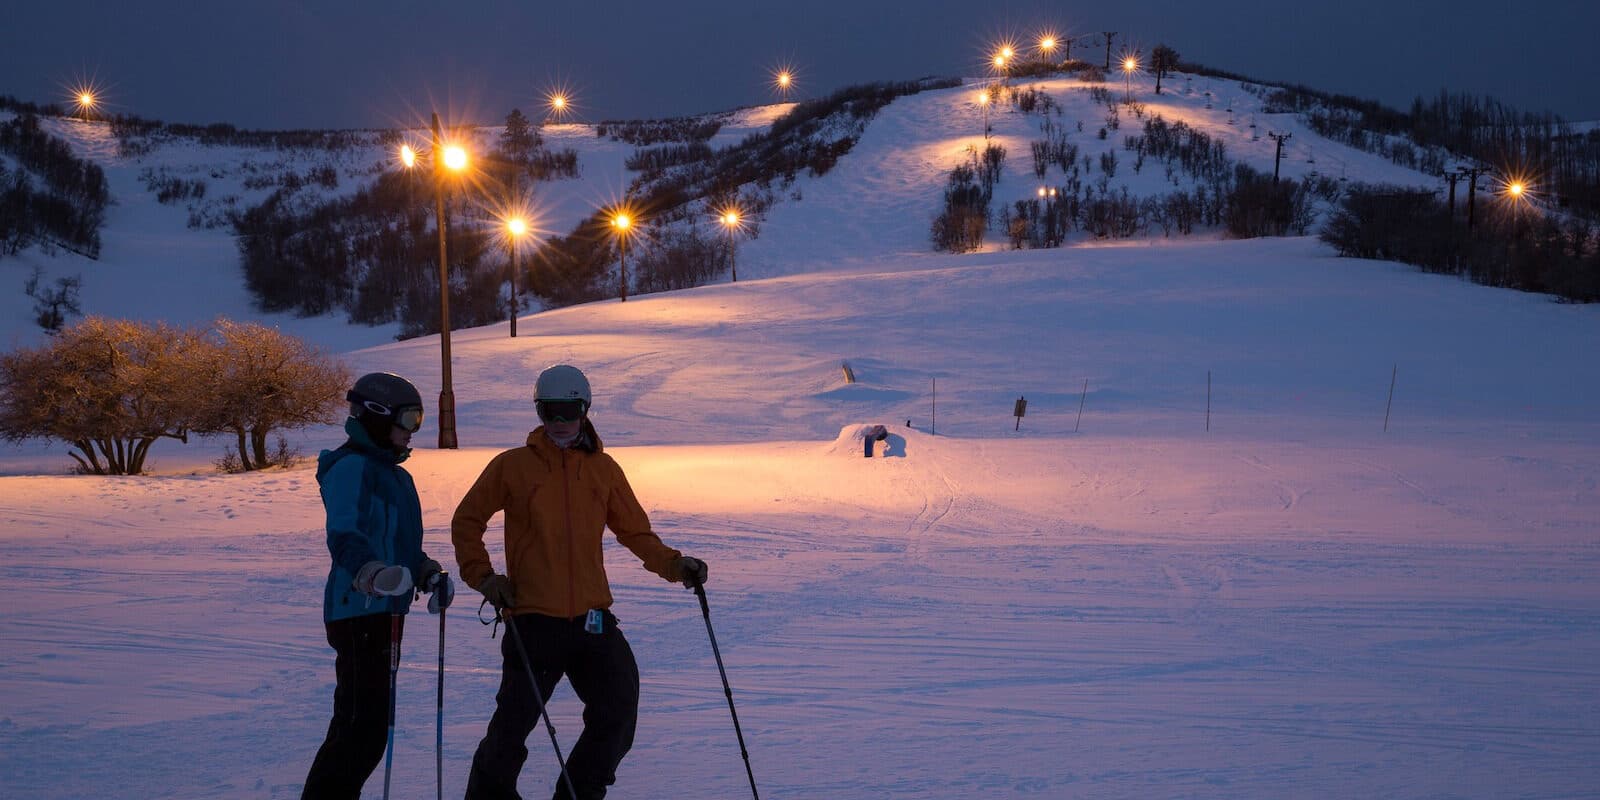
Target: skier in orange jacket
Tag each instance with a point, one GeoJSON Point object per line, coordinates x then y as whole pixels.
{"type": "Point", "coordinates": [558, 493]}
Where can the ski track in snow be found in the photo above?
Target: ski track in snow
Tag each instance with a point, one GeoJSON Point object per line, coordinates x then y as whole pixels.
{"type": "Point", "coordinates": [893, 613]}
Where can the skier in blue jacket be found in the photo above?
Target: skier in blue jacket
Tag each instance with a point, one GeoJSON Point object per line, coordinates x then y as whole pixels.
{"type": "Point", "coordinates": [375, 539]}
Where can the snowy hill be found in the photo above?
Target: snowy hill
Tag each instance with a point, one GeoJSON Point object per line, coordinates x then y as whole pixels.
{"type": "Point", "coordinates": [1224, 579]}
{"type": "Point", "coordinates": [1293, 603]}
{"type": "Point", "coordinates": [877, 202]}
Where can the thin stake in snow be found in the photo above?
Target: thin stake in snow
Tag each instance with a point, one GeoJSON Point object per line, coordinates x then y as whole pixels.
{"type": "Point", "coordinates": [1392, 378]}
{"type": "Point", "coordinates": [1081, 399]}
{"type": "Point", "coordinates": [1208, 400]}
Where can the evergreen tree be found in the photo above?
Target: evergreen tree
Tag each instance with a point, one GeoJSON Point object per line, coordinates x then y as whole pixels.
{"type": "Point", "coordinates": [1163, 60]}
{"type": "Point", "coordinates": [518, 144]}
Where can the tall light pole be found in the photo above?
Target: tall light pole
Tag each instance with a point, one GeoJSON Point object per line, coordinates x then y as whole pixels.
{"type": "Point", "coordinates": [1129, 66]}
{"type": "Point", "coordinates": [730, 220]}
{"type": "Point", "coordinates": [446, 159]}
{"type": "Point", "coordinates": [1048, 196]}
{"type": "Point", "coordinates": [622, 225]}
{"type": "Point", "coordinates": [516, 229]}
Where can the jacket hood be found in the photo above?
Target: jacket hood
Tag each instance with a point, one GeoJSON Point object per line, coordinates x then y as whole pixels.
{"type": "Point", "coordinates": [362, 443]}
{"type": "Point", "coordinates": [538, 440]}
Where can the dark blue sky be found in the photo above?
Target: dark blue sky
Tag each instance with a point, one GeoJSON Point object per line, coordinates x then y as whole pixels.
{"type": "Point", "coordinates": [339, 63]}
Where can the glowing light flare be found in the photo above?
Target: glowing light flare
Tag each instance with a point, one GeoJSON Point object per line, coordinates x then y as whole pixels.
{"type": "Point", "coordinates": [1002, 55]}
{"type": "Point", "coordinates": [1130, 64]}
{"type": "Point", "coordinates": [1517, 189]}
{"type": "Point", "coordinates": [983, 97]}
{"type": "Point", "coordinates": [86, 95]}
{"type": "Point", "coordinates": [516, 220]}
{"type": "Point", "coordinates": [622, 222]}
{"type": "Point", "coordinates": [783, 79]}
{"type": "Point", "coordinates": [559, 103]}
{"type": "Point", "coordinates": [731, 219]}
{"type": "Point", "coordinates": [408, 156]}
{"type": "Point", "coordinates": [455, 158]}
{"type": "Point", "coordinates": [1047, 43]}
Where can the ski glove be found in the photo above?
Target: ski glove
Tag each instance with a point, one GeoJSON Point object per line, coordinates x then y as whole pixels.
{"type": "Point", "coordinates": [691, 571]}
{"type": "Point", "coordinates": [442, 592]}
{"type": "Point", "coordinates": [497, 589]}
{"type": "Point", "coordinates": [426, 571]}
{"type": "Point", "coordinates": [381, 580]}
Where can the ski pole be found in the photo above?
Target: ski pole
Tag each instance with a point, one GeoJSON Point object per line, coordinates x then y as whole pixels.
{"type": "Point", "coordinates": [705, 610]}
{"type": "Point", "coordinates": [511, 625]}
{"type": "Point", "coordinates": [394, 669]}
{"type": "Point", "coordinates": [438, 725]}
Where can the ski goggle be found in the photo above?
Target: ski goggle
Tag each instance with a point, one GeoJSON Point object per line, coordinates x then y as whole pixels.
{"type": "Point", "coordinates": [406, 418]}
{"type": "Point", "coordinates": [560, 410]}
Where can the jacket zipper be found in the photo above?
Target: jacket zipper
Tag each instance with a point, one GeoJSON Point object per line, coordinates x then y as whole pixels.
{"type": "Point", "coordinates": [391, 541]}
{"type": "Point", "coordinates": [566, 497]}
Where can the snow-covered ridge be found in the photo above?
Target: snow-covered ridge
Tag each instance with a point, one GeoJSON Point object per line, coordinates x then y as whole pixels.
{"type": "Point", "coordinates": [877, 201]}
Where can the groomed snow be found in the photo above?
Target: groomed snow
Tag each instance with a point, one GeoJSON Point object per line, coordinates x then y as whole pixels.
{"type": "Point", "coordinates": [1294, 603]}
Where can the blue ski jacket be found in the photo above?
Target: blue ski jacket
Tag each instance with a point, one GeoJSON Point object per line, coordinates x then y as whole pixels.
{"type": "Point", "coordinates": [373, 515]}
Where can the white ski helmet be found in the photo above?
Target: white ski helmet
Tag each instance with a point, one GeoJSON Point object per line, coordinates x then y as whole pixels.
{"type": "Point", "coordinates": [562, 382]}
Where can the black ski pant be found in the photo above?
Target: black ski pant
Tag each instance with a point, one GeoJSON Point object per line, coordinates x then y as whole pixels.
{"type": "Point", "coordinates": [605, 677]}
{"type": "Point", "coordinates": [359, 731]}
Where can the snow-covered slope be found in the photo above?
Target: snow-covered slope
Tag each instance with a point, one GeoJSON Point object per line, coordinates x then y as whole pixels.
{"type": "Point", "coordinates": [1293, 603]}
{"type": "Point", "coordinates": [878, 201]}
{"type": "Point", "coordinates": [1223, 580]}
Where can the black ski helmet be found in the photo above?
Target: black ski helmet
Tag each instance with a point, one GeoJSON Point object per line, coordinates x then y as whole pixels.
{"type": "Point", "coordinates": [377, 401]}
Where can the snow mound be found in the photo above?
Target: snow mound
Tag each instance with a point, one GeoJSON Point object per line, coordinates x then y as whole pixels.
{"type": "Point", "coordinates": [851, 440]}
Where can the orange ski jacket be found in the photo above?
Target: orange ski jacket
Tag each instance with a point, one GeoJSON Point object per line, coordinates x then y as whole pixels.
{"type": "Point", "coordinates": [557, 504]}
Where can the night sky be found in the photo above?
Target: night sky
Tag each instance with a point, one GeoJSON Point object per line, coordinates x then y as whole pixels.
{"type": "Point", "coordinates": [338, 63]}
